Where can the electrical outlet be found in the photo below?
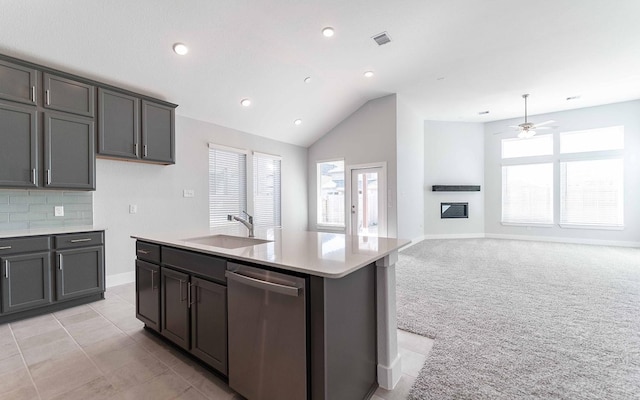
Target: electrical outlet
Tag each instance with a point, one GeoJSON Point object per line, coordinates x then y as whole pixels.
{"type": "Point", "coordinates": [58, 211]}
{"type": "Point", "coordinates": [133, 208]}
{"type": "Point", "coordinates": [188, 193]}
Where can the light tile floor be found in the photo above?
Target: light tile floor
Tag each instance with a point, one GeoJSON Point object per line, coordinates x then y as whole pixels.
{"type": "Point", "coordinates": [101, 351]}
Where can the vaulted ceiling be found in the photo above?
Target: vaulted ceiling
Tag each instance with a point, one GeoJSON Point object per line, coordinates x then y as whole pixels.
{"type": "Point", "coordinates": [448, 59]}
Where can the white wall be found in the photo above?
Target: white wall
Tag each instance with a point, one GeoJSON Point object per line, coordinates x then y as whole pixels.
{"type": "Point", "coordinates": [368, 135]}
{"type": "Point", "coordinates": [454, 155]}
{"type": "Point", "coordinates": [627, 114]}
{"type": "Point", "coordinates": [410, 147]}
{"type": "Point", "coordinates": [157, 190]}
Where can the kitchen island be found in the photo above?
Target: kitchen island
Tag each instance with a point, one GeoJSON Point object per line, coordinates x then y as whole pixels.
{"type": "Point", "coordinates": [326, 308]}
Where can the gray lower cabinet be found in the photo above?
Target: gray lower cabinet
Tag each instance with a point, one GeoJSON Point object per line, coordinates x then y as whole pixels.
{"type": "Point", "coordinates": [175, 307]}
{"type": "Point", "coordinates": [18, 83]}
{"type": "Point", "coordinates": [183, 296]}
{"type": "Point", "coordinates": [26, 281]}
{"type": "Point", "coordinates": [148, 294]}
{"type": "Point", "coordinates": [209, 323]}
{"type": "Point", "coordinates": [68, 95]}
{"type": "Point", "coordinates": [79, 272]}
{"type": "Point", "coordinates": [19, 149]}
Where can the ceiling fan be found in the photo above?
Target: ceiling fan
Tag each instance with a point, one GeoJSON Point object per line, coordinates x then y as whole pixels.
{"type": "Point", "coordinates": [528, 129]}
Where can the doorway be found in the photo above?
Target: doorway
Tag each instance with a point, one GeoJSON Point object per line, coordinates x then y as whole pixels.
{"type": "Point", "coordinates": [367, 202]}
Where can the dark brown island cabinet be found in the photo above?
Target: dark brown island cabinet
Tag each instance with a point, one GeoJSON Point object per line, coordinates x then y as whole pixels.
{"type": "Point", "coordinates": [48, 273]}
{"type": "Point", "coordinates": [183, 296]}
{"type": "Point", "coordinates": [318, 336]}
{"type": "Point", "coordinates": [48, 123]}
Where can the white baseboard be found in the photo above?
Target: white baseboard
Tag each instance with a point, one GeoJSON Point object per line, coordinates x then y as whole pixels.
{"type": "Point", "coordinates": [121, 279]}
{"type": "Point", "coordinates": [556, 239]}
{"type": "Point", "coordinates": [443, 236]}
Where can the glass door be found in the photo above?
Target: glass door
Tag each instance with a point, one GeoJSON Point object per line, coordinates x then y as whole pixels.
{"type": "Point", "coordinates": [368, 206]}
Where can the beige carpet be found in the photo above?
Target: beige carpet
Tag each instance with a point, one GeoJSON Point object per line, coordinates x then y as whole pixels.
{"type": "Point", "coordinates": [523, 320]}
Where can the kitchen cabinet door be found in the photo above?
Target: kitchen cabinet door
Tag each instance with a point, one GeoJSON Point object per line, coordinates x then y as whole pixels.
{"type": "Point", "coordinates": [209, 323]}
{"type": "Point", "coordinates": [174, 317]}
{"type": "Point", "coordinates": [67, 95]}
{"type": "Point", "coordinates": [18, 83]}
{"type": "Point", "coordinates": [158, 136]}
{"type": "Point", "coordinates": [79, 272]}
{"type": "Point", "coordinates": [69, 152]}
{"type": "Point", "coordinates": [118, 124]}
{"type": "Point", "coordinates": [148, 294]}
{"type": "Point", "coordinates": [19, 146]}
{"type": "Point", "coordinates": [26, 281]}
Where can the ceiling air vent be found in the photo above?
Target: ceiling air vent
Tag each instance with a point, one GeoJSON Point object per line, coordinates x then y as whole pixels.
{"type": "Point", "coordinates": [382, 38]}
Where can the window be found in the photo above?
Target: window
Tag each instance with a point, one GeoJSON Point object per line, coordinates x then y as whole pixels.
{"type": "Point", "coordinates": [536, 146]}
{"type": "Point", "coordinates": [266, 190]}
{"type": "Point", "coordinates": [227, 183]}
{"type": "Point", "coordinates": [583, 178]}
{"type": "Point", "coordinates": [527, 193]}
{"type": "Point", "coordinates": [330, 192]}
{"type": "Point", "coordinates": [592, 177]}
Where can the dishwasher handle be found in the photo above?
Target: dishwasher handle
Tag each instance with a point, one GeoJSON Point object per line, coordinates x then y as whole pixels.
{"type": "Point", "coordinates": [260, 284]}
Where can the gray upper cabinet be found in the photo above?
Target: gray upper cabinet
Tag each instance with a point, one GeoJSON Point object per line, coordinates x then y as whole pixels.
{"type": "Point", "coordinates": [118, 124]}
{"type": "Point", "coordinates": [158, 132]}
{"type": "Point", "coordinates": [63, 94]}
{"type": "Point", "coordinates": [19, 149]}
{"type": "Point", "coordinates": [69, 152]}
{"type": "Point", "coordinates": [18, 83]}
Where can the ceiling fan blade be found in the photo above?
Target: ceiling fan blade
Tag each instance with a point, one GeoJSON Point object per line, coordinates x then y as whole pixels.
{"type": "Point", "coordinates": [545, 123]}
{"type": "Point", "coordinates": [514, 126]}
{"type": "Point", "coordinates": [544, 127]}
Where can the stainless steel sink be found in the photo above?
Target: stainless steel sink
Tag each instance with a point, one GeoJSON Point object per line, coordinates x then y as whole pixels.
{"type": "Point", "coordinates": [227, 241]}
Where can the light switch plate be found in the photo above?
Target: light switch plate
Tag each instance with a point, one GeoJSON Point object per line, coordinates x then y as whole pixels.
{"type": "Point", "coordinates": [188, 193]}
{"type": "Point", "coordinates": [58, 211]}
{"type": "Point", "coordinates": [133, 208]}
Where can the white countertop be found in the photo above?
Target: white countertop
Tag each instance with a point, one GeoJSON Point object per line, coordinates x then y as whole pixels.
{"type": "Point", "coordinates": [329, 255]}
{"type": "Point", "coordinates": [54, 230]}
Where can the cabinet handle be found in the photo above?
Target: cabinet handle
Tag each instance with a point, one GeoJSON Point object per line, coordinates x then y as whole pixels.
{"type": "Point", "coordinates": [49, 176]}
{"type": "Point", "coordinates": [33, 94]}
{"type": "Point", "coordinates": [33, 176]}
{"type": "Point", "coordinates": [60, 261]}
{"type": "Point", "coordinates": [143, 252]}
{"type": "Point", "coordinates": [189, 295]}
{"type": "Point", "coordinates": [47, 94]}
{"type": "Point", "coordinates": [80, 240]}
{"type": "Point", "coordinates": [5, 248]}
{"type": "Point", "coordinates": [144, 150]}
{"type": "Point", "coordinates": [6, 269]}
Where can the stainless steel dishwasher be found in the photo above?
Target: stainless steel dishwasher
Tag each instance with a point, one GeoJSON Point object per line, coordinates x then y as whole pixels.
{"type": "Point", "coordinates": [267, 333]}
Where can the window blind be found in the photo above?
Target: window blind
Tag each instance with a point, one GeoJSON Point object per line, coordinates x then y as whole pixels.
{"type": "Point", "coordinates": [267, 190]}
{"type": "Point", "coordinates": [527, 193]}
{"type": "Point", "coordinates": [227, 184]}
{"type": "Point", "coordinates": [591, 192]}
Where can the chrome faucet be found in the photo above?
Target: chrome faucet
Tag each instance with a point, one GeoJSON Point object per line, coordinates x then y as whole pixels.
{"type": "Point", "coordinates": [248, 222]}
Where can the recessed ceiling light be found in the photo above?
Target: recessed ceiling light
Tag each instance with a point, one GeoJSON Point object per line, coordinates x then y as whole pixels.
{"type": "Point", "coordinates": [307, 79]}
{"type": "Point", "coordinates": [573, 98]}
{"type": "Point", "coordinates": [180, 49]}
{"type": "Point", "coordinates": [245, 102]}
{"type": "Point", "coordinates": [297, 122]}
{"type": "Point", "coordinates": [368, 74]}
{"type": "Point", "coordinates": [328, 31]}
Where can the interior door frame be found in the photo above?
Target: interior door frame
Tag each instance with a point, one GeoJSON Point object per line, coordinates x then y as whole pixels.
{"type": "Point", "coordinates": [382, 188]}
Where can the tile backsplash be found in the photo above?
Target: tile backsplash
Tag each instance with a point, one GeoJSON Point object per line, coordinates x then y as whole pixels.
{"type": "Point", "coordinates": [29, 209]}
